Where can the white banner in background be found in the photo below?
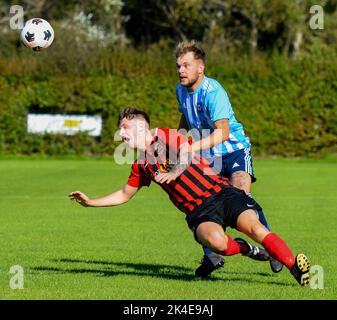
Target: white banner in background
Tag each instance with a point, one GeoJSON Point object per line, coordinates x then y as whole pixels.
{"type": "Point", "coordinates": [64, 124]}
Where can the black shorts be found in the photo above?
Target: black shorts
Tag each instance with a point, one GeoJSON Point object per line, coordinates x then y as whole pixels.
{"type": "Point", "coordinates": [223, 208]}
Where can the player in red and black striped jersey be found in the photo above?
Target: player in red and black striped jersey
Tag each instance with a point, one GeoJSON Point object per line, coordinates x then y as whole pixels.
{"type": "Point", "coordinates": [195, 183]}
{"type": "Point", "coordinates": [209, 201]}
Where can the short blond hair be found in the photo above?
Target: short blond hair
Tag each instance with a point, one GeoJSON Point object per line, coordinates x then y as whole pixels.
{"type": "Point", "coordinates": [190, 46]}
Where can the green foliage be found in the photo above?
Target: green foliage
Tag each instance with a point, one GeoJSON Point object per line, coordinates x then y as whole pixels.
{"type": "Point", "coordinates": [66, 94]}
{"type": "Point", "coordinates": [280, 74]}
{"type": "Point", "coordinates": [288, 107]}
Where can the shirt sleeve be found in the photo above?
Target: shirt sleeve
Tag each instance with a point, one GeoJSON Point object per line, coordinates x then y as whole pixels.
{"type": "Point", "coordinates": [138, 178]}
{"type": "Point", "coordinates": [218, 105]}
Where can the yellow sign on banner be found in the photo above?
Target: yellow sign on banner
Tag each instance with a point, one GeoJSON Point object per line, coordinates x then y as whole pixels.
{"type": "Point", "coordinates": [71, 123]}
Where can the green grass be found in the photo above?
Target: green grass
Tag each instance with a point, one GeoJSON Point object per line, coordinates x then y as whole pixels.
{"type": "Point", "coordinates": [143, 249]}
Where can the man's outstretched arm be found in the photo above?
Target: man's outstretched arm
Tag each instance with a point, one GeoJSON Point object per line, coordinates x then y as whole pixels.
{"type": "Point", "coordinates": [118, 197]}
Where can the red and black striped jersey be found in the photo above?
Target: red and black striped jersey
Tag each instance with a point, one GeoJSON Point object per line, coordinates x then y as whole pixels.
{"type": "Point", "coordinates": [196, 183]}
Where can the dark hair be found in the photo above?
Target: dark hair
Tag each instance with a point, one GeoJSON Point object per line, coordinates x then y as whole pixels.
{"type": "Point", "coordinates": [131, 113]}
{"type": "Point", "coordinates": [190, 46]}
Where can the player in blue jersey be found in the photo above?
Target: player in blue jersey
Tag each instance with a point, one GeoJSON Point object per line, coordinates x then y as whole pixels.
{"type": "Point", "coordinates": [219, 137]}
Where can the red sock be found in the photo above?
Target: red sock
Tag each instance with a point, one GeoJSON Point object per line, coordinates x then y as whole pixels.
{"type": "Point", "coordinates": [233, 247]}
{"type": "Point", "coordinates": [278, 250]}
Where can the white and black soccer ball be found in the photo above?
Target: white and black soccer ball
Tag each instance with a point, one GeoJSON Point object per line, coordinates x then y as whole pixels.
{"type": "Point", "coordinates": [37, 34]}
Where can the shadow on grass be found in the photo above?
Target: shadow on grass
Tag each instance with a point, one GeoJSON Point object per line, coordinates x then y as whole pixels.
{"type": "Point", "coordinates": [161, 271]}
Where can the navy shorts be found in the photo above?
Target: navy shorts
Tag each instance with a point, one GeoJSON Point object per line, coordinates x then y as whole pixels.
{"type": "Point", "coordinates": [240, 160]}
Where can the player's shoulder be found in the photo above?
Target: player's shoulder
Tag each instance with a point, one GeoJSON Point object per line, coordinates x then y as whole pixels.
{"type": "Point", "coordinates": [211, 85]}
{"type": "Point", "coordinates": [171, 137]}
{"type": "Point", "coordinates": [180, 90]}
{"type": "Point", "coordinates": [165, 132]}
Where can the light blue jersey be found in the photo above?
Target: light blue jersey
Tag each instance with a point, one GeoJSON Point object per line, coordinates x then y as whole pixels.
{"type": "Point", "coordinates": [203, 107]}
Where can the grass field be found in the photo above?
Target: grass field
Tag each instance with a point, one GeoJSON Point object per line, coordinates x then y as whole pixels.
{"type": "Point", "coordinates": [143, 249]}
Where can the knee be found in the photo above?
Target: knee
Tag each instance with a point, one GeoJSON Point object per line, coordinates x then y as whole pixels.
{"type": "Point", "coordinates": [241, 180]}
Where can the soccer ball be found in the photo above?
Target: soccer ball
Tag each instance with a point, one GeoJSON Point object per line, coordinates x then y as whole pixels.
{"type": "Point", "coordinates": [37, 34]}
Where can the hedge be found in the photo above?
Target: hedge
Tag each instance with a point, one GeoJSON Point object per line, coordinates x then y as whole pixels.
{"type": "Point", "coordinates": [288, 107]}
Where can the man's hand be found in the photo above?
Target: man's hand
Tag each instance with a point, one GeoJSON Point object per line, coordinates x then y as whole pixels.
{"type": "Point", "coordinates": [80, 197]}
{"type": "Point", "coordinates": [184, 160]}
{"type": "Point", "coordinates": [166, 177]}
